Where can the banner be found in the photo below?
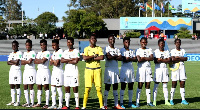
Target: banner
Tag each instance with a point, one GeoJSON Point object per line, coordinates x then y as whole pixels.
{"type": "Point", "coordinates": [163, 23]}
{"type": "Point", "coordinates": [190, 5]}
{"type": "Point", "coordinates": [193, 56]}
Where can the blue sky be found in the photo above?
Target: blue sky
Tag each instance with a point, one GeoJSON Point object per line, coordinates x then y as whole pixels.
{"type": "Point", "coordinates": [33, 8]}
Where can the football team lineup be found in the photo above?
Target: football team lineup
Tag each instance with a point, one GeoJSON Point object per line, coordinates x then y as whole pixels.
{"type": "Point", "coordinates": [93, 54]}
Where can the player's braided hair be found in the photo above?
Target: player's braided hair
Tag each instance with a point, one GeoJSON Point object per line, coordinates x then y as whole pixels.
{"type": "Point", "coordinates": [144, 39]}
{"type": "Point", "coordinates": [161, 40]}
{"type": "Point", "coordinates": [15, 42]}
{"type": "Point", "coordinates": [29, 41]}
{"type": "Point", "coordinates": [126, 38]}
{"type": "Point", "coordinates": [176, 40]}
{"type": "Point", "coordinates": [43, 41]}
{"type": "Point", "coordinates": [55, 41]}
{"type": "Point", "coordinates": [71, 38]}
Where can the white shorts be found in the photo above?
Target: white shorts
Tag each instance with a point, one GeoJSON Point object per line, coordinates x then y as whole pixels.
{"type": "Point", "coordinates": [161, 75]}
{"type": "Point", "coordinates": [179, 75]}
{"type": "Point", "coordinates": [144, 74]}
{"type": "Point", "coordinates": [111, 75]}
{"type": "Point", "coordinates": [127, 74]}
{"type": "Point", "coordinates": [71, 81]}
{"type": "Point", "coordinates": [29, 76]}
{"type": "Point", "coordinates": [57, 77]}
{"type": "Point", "coordinates": [15, 76]}
{"type": "Point", "coordinates": [71, 77]}
{"type": "Point", "coordinates": [43, 76]}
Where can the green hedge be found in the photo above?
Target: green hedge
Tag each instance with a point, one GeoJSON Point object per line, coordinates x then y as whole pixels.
{"type": "Point", "coordinates": [132, 34]}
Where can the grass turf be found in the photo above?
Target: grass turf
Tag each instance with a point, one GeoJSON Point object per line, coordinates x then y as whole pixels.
{"type": "Point", "coordinates": [192, 90]}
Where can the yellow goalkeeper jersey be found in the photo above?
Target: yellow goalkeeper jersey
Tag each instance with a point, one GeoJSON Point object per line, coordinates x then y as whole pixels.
{"type": "Point", "coordinates": [88, 51]}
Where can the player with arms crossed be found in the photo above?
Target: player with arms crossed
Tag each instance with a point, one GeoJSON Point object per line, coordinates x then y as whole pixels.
{"type": "Point", "coordinates": [111, 74]}
{"type": "Point", "coordinates": [57, 75]}
{"type": "Point", "coordinates": [92, 55]}
{"type": "Point", "coordinates": [71, 57]}
{"type": "Point", "coordinates": [127, 72]}
{"type": "Point", "coordinates": [161, 58]}
{"type": "Point", "coordinates": [144, 75]}
{"type": "Point", "coordinates": [29, 75]}
{"type": "Point", "coordinates": [178, 73]}
{"type": "Point", "coordinates": [43, 76]}
{"type": "Point", "coordinates": [15, 75]}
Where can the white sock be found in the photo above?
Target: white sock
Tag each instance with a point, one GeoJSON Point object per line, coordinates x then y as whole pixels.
{"type": "Point", "coordinates": [130, 95]}
{"type": "Point", "coordinates": [26, 96]}
{"type": "Point", "coordinates": [67, 98]}
{"type": "Point", "coordinates": [148, 93]}
{"type": "Point", "coordinates": [47, 97]}
{"type": "Point", "coordinates": [165, 91]}
{"type": "Point", "coordinates": [39, 96]}
{"type": "Point", "coordinates": [18, 94]}
{"type": "Point", "coordinates": [115, 94]}
{"type": "Point", "coordinates": [60, 94]}
{"type": "Point", "coordinates": [32, 96]}
{"type": "Point", "coordinates": [121, 96]}
{"type": "Point", "coordinates": [13, 95]}
{"type": "Point", "coordinates": [138, 95]}
{"type": "Point", "coordinates": [182, 91]}
{"type": "Point", "coordinates": [155, 91]}
{"type": "Point", "coordinates": [76, 99]}
{"type": "Point", "coordinates": [172, 93]}
{"type": "Point", "coordinates": [105, 97]}
{"type": "Point", "coordinates": [53, 95]}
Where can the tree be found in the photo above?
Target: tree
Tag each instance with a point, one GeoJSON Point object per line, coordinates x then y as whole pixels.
{"type": "Point", "coordinates": [79, 22]}
{"type": "Point", "coordinates": [13, 10]}
{"type": "Point", "coordinates": [2, 7]}
{"type": "Point", "coordinates": [2, 24]}
{"type": "Point", "coordinates": [183, 33]}
{"type": "Point", "coordinates": [108, 8]}
{"type": "Point", "coordinates": [46, 23]}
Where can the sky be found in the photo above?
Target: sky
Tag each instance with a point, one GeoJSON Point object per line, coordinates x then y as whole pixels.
{"type": "Point", "coordinates": [34, 8]}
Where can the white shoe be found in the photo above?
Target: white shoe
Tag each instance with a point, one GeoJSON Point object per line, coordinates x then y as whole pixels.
{"type": "Point", "coordinates": [83, 108]}
{"type": "Point", "coordinates": [16, 104]}
{"type": "Point", "coordinates": [25, 105]}
{"type": "Point", "coordinates": [52, 107]}
{"type": "Point", "coordinates": [30, 105]}
{"type": "Point", "coordinates": [59, 107]}
{"type": "Point", "coordinates": [11, 103]}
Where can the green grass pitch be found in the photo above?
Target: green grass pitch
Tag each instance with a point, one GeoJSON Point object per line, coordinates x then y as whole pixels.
{"type": "Point", "coordinates": [192, 90]}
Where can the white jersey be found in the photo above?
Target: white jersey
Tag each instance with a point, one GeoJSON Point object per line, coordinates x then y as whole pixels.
{"type": "Point", "coordinates": [144, 53]}
{"type": "Point", "coordinates": [15, 56]}
{"type": "Point", "coordinates": [161, 54]}
{"type": "Point", "coordinates": [127, 53]}
{"type": "Point", "coordinates": [41, 55]}
{"type": "Point", "coordinates": [27, 56]}
{"type": "Point", "coordinates": [181, 53]}
{"type": "Point", "coordinates": [57, 56]}
{"type": "Point", "coordinates": [68, 55]}
{"type": "Point", "coordinates": [112, 51]}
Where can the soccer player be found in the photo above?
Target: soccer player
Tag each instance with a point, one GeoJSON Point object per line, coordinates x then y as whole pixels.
{"type": "Point", "coordinates": [127, 72]}
{"type": "Point", "coordinates": [92, 55]}
{"type": "Point", "coordinates": [15, 75]}
{"type": "Point", "coordinates": [71, 57]}
{"type": "Point", "coordinates": [29, 74]}
{"type": "Point", "coordinates": [161, 58]}
{"type": "Point", "coordinates": [111, 74]}
{"type": "Point", "coordinates": [179, 74]}
{"type": "Point", "coordinates": [57, 75]}
{"type": "Point", "coordinates": [43, 76]}
{"type": "Point", "coordinates": [144, 56]}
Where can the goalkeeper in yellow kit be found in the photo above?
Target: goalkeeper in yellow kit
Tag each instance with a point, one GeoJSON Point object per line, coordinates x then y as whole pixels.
{"type": "Point", "coordinates": [92, 55]}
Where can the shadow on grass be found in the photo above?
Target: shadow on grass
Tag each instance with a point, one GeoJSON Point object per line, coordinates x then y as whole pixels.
{"type": "Point", "coordinates": [176, 101]}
